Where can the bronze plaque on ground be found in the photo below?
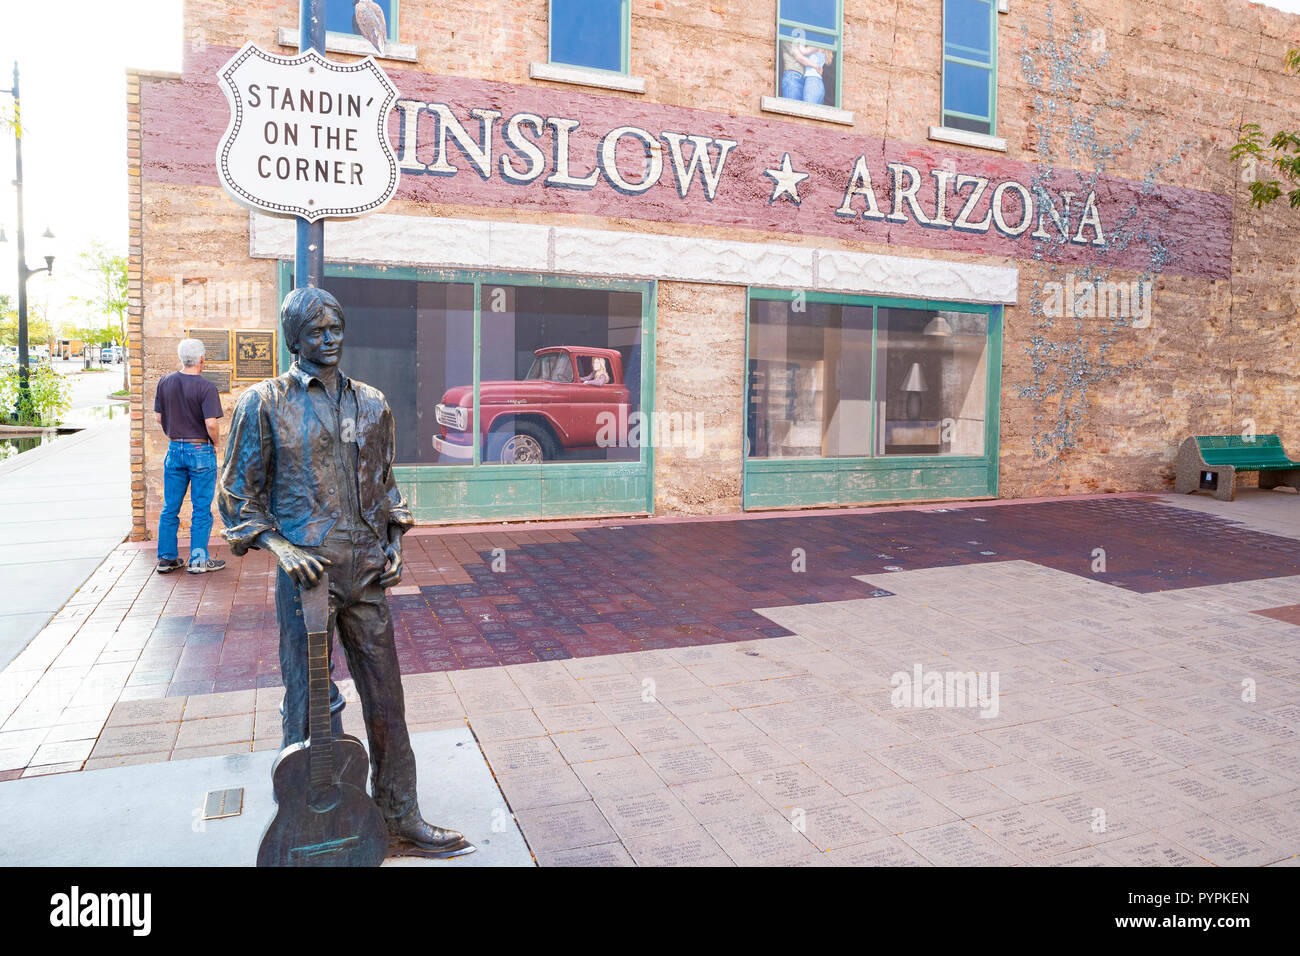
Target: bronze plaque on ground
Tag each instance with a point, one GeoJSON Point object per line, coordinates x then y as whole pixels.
{"type": "Point", "coordinates": [216, 343]}
{"type": "Point", "coordinates": [254, 355]}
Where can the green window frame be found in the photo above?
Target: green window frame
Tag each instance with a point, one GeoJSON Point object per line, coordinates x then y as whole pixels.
{"type": "Point", "coordinates": [340, 11]}
{"type": "Point", "coordinates": [478, 491]}
{"type": "Point", "coordinates": [965, 63]}
{"type": "Point", "coordinates": [875, 477]}
{"type": "Point", "coordinates": [625, 39]}
{"type": "Point", "coordinates": [814, 36]}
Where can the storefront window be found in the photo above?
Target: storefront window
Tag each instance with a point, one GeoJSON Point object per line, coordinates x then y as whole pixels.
{"type": "Point", "coordinates": [560, 375]}
{"type": "Point", "coordinates": [931, 392]}
{"type": "Point", "coordinates": [809, 380]}
{"type": "Point", "coordinates": [414, 341]}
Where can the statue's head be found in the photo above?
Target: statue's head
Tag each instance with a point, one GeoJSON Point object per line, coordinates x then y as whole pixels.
{"type": "Point", "coordinates": [311, 321]}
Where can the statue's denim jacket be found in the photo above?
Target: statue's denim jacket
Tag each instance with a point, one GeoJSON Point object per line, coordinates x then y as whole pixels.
{"type": "Point", "coordinates": [282, 466]}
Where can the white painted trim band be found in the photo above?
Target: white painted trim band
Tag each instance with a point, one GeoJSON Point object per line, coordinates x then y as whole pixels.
{"type": "Point", "coordinates": [580, 76]}
{"type": "Point", "coordinates": [430, 242]}
{"type": "Point", "coordinates": [359, 46]}
{"type": "Point", "coordinates": [964, 137]}
{"type": "Point", "coordinates": [817, 111]}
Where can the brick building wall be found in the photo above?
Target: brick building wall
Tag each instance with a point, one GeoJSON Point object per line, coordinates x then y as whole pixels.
{"type": "Point", "coordinates": [1218, 351]}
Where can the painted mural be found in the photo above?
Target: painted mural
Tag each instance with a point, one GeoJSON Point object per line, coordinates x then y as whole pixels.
{"type": "Point", "coordinates": [479, 143]}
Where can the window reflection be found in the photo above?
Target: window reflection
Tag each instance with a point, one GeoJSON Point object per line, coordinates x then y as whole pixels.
{"type": "Point", "coordinates": [931, 379]}
{"type": "Point", "coordinates": [809, 380]}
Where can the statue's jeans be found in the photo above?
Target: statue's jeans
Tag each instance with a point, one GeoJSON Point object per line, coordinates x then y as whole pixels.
{"type": "Point", "coordinates": [359, 615]}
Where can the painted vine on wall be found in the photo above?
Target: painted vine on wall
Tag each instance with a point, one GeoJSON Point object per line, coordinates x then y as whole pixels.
{"type": "Point", "coordinates": [1071, 345]}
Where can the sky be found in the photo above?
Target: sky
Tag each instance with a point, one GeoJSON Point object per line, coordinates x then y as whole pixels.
{"type": "Point", "coordinates": [73, 55]}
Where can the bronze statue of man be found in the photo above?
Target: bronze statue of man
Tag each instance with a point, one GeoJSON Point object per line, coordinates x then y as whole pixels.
{"type": "Point", "coordinates": [308, 476]}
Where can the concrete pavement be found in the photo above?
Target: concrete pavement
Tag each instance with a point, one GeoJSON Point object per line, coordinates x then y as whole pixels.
{"type": "Point", "coordinates": [151, 814]}
{"type": "Point", "coordinates": [1275, 511]}
{"type": "Point", "coordinates": [63, 508]}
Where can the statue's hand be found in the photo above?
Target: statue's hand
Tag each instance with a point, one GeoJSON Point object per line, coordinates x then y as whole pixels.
{"type": "Point", "coordinates": [305, 568]}
{"type": "Point", "coordinates": [393, 568]}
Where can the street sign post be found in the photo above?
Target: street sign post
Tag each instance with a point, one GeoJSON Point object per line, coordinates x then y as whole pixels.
{"type": "Point", "coordinates": [307, 137]}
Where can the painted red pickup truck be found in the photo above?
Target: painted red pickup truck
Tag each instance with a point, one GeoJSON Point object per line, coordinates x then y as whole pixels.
{"type": "Point", "coordinates": [551, 411]}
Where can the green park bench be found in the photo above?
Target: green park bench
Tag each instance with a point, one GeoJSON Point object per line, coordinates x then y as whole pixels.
{"type": "Point", "coordinates": [1211, 463]}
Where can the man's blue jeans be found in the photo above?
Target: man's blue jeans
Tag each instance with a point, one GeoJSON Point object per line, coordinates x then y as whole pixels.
{"type": "Point", "coordinates": [193, 467]}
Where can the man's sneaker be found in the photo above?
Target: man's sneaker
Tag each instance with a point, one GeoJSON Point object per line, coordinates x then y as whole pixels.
{"type": "Point", "coordinates": [166, 566]}
{"type": "Point", "coordinates": [203, 567]}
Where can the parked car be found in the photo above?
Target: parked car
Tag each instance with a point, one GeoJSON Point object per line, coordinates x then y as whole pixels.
{"type": "Point", "coordinates": [110, 353]}
{"type": "Point", "coordinates": [538, 418]}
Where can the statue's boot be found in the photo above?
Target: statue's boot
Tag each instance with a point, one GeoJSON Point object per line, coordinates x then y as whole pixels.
{"type": "Point", "coordinates": [412, 836]}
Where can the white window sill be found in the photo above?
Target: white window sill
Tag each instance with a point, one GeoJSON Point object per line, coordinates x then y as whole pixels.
{"type": "Point", "coordinates": [581, 76]}
{"type": "Point", "coordinates": [964, 137]}
{"type": "Point", "coordinates": [829, 114]}
{"type": "Point", "coordinates": [357, 46]}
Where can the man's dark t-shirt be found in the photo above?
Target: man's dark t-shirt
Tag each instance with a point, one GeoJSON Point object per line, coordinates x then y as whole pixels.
{"type": "Point", "coordinates": [184, 401]}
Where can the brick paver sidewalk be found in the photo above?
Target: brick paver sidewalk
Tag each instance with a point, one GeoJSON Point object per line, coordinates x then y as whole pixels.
{"type": "Point", "coordinates": [678, 692]}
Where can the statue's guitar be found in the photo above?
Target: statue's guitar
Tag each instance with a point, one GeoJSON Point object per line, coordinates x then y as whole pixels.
{"type": "Point", "coordinates": [323, 815]}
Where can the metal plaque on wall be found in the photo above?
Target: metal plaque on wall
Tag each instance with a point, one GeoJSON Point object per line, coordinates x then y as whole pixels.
{"type": "Point", "coordinates": [218, 375]}
{"type": "Point", "coordinates": [216, 343]}
{"type": "Point", "coordinates": [254, 355]}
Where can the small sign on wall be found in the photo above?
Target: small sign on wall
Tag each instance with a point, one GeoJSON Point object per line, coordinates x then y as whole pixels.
{"type": "Point", "coordinates": [254, 355]}
{"type": "Point", "coordinates": [218, 375]}
{"type": "Point", "coordinates": [216, 343]}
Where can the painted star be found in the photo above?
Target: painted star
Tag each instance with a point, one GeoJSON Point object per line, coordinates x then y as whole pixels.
{"type": "Point", "coordinates": [786, 181]}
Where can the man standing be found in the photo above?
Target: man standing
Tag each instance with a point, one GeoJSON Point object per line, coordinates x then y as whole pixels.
{"type": "Point", "coordinates": [188, 406]}
{"type": "Point", "coordinates": [308, 476]}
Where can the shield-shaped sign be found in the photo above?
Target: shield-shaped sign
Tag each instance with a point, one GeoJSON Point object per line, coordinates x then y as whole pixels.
{"type": "Point", "coordinates": [307, 137]}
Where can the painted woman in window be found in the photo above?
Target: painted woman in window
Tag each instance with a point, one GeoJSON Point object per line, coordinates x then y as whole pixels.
{"type": "Point", "coordinates": [599, 373]}
{"type": "Point", "coordinates": [801, 72]}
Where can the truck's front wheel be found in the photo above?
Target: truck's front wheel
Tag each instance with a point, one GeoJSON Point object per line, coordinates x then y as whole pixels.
{"type": "Point", "coordinates": [522, 444]}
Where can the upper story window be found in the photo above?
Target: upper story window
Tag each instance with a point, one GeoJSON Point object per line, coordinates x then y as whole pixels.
{"type": "Point", "coordinates": [970, 65]}
{"type": "Point", "coordinates": [808, 50]}
{"type": "Point", "coordinates": [591, 33]}
{"type": "Point", "coordinates": [344, 18]}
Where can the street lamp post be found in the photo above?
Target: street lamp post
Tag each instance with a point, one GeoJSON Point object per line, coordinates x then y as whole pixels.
{"type": "Point", "coordinates": [24, 273]}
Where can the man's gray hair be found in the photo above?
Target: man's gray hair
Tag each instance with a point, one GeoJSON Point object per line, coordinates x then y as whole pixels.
{"type": "Point", "coordinates": [190, 352]}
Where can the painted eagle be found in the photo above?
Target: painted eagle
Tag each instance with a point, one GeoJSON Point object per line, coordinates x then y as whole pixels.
{"type": "Point", "coordinates": [368, 21]}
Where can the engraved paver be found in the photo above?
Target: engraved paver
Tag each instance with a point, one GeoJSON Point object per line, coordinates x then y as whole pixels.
{"type": "Point", "coordinates": [685, 846]}
{"type": "Point", "coordinates": [958, 844]}
{"type": "Point", "coordinates": [1224, 846]}
{"type": "Point", "coordinates": [687, 764]}
{"type": "Point", "coordinates": [644, 813]}
{"type": "Point", "coordinates": [840, 825]}
{"type": "Point", "coordinates": [565, 827]}
{"type": "Point", "coordinates": [887, 851]}
{"type": "Point", "coordinates": [617, 777]}
{"type": "Point", "coordinates": [764, 839]}
{"type": "Point", "coordinates": [904, 807]}
{"type": "Point", "coordinates": [712, 800]}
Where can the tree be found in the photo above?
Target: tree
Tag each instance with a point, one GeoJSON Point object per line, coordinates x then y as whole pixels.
{"type": "Point", "coordinates": [110, 299]}
{"type": "Point", "coordinates": [90, 334]}
{"type": "Point", "coordinates": [1281, 153]}
{"type": "Point", "coordinates": [39, 331]}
